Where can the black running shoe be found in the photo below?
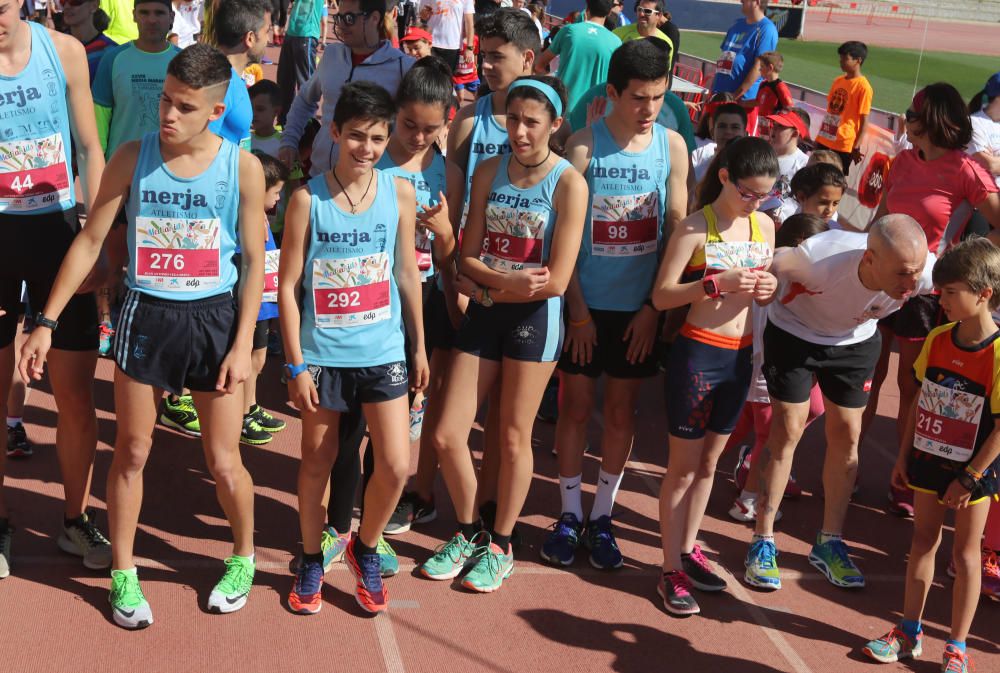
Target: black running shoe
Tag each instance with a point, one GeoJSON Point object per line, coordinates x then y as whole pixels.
{"type": "Point", "coordinates": [18, 445]}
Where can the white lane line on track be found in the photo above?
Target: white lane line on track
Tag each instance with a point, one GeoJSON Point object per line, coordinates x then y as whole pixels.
{"type": "Point", "coordinates": [388, 644]}
{"type": "Point", "coordinates": [777, 638]}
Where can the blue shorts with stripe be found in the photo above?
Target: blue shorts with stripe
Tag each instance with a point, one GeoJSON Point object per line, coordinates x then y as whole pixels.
{"type": "Point", "coordinates": [532, 332]}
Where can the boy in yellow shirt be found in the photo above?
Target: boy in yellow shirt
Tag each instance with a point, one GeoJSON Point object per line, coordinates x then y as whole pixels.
{"type": "Point", "coordinates": [847, 106]}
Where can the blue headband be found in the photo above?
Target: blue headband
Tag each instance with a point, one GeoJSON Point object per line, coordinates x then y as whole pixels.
{"type": "Point", "coordinates": [549, 92]}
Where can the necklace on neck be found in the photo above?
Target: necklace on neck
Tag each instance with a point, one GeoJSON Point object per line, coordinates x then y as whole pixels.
{"type": "Point", "coordinates": [524, 165]}
{"type": "Point", "coordinates": [354, 206]}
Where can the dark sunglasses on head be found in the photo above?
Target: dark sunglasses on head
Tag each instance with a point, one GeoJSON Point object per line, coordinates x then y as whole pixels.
{"type": "Point", "coordinates": [348, 18]}
{"type": "Point", "coordinates": [645, 11]}
{"type": "Point", "coordinates": [911, 115]}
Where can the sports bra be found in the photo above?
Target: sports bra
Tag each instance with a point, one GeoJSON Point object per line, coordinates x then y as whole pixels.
{"type": "Point", "coordinates": [719, 255]}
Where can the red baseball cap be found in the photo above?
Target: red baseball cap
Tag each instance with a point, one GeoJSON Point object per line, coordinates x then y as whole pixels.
{"type": "Point", "coordinates": [414, 33]}
{"type": "Point", "coordinates": [790, 119]}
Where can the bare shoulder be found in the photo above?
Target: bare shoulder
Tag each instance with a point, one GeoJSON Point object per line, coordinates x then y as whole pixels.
{"type": "Point", "coordinates": [405, 190]}
{"type": "Point", "coordinates": [69, 48]}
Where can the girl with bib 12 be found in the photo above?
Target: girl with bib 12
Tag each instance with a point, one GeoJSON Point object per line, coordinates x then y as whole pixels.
{"type": "Point", "coordinates": [520, 245]}
{"type": "Point", "coordinates": [717, 262]}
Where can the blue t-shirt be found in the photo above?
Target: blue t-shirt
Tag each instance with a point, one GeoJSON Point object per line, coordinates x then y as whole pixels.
{"type": "Point", "coordinates": [234, 124]}
{"type": "Point", "coordinates": [269, 305]}
{"type": "Point", "coordinates": [743, 44]}
{"type": "Point", "coordinates": [129, 82]}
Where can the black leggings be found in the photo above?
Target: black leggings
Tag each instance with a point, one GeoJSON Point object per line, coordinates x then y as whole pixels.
{"type": "Point", "coordinates": [282, 15]}
{"type": "Point", "coordinates": [347, 472]}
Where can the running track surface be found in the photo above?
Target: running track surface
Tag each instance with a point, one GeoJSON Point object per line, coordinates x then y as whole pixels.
{"type": "Point", "coordinates": [54, 613]}
{"type": "Point", "coordinates": [971, 38]}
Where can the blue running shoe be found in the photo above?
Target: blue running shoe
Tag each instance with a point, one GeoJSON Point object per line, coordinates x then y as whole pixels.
{"type": "Point", "coordinates": [762, 566]}
{"type": "Point", "coordinates": [306, 596]}
{"type": "Point", "coordinates": [894, 646]}
{"type": "Point", "coordinates": [600, 540]}
{"type": "Point", "coordinates": [831, 558]}
{"type": "Point", "coordinates": [560, 546]}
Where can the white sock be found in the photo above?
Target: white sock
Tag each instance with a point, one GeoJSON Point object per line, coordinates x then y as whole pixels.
{"type": "Point", "coordinates": [607, 489]}
{"type": "Point", "coordinates": [569, 491]}
{"type": "Point", "coordinates": [825, 537]}
{"type": "Point", "coordinates": [758, 537]}
{"type": "Point", "coordinates": [748, 495]}
{"type": "Point", "coordinates": [12, 421]}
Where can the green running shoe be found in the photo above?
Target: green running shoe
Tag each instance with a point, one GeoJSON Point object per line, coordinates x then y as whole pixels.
{"type": "Point", "coordinates": [389, 564]}
{"type": "Point", "coordinates": [266, 420]}
{"type": "Point", "coordinates": [252, 434]}
{"type": "Point", "coordinates": [181, 415]}
{"type": "Point", "coordinates": [762, 566]}
{"type": "Point", "coordinates": [449, 559]}
{"type": "Point", "coordinates": [492, 568]}
{"type": "Point", "coordinates": [231, 593]}
{"type": "Point", "coordinates": [333, 545]}
{"type": "Point", "coordinates": [831, 558]}
{"type": "Point", "coordinates": [128, 606]}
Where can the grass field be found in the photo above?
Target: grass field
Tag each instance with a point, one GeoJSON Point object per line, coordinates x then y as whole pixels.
{"type": "Point", "coordinates": [890, 71]}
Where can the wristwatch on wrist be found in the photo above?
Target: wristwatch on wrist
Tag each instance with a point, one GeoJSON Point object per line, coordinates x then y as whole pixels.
{"type": "Point", "coordinates": [966, 481]}
{"type": "Point", "coordinates": [486, 301]}
{"type": "Point", "coordinates": [42, 321]}
{"type": "Point", "coordinates": [711, 287]}
{"type": "Point", "coordinates": [295, 370]}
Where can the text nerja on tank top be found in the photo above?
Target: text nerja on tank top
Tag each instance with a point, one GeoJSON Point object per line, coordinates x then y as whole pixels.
{"type": "Point", "coordinates": [488, 139]}
{"type": "Point", "coordinates": [182, 231]}
{"type": "Point", "coordinates": [351, 313]}
{"type": "Point", "coordinates": [720, 255]}
{"type": "Point", "coordinates": [35, 142]}
{"type": "Point", "coordinates": [428, 184]}
{"type": "Point", "coordinates": [520, 222]}
{"type": "Point", "coordinates": [624, 226]}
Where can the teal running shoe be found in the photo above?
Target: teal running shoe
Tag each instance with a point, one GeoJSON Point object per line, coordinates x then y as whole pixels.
{"type": "Point", "coordinates": [449, 559]}
{"type": "Point", "coordinates": [388, 562]}
{"type": "Point", "coordinates": [493, 567]}
{"type": "Point", "coordinates": [894, 646]}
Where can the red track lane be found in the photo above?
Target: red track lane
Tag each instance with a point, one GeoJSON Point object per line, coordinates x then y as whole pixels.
{"type": "Point", "coordinates": [970, 38]}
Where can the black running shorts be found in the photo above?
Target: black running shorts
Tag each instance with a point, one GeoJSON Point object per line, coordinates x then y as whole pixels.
{"type": "Point", "coordinates": [175, 344]}
{"type": "Point", "coordinates": [610, 352]}
{"type": "Point", "coordinates": [32, 248]}
{"type": "Point", "coordinates": [345, 389]}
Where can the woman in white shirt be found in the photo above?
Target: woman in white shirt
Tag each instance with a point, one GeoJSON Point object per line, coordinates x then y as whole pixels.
{"type": "Point", "coordinates": [984, 111]}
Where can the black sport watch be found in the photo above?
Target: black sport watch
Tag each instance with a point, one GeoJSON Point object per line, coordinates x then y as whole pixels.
{"type": "Point", "coordinates": [42, 321]}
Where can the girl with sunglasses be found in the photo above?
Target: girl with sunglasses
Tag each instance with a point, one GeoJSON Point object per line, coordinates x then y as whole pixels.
{"type": "Point", "coordinates": [717, 262]}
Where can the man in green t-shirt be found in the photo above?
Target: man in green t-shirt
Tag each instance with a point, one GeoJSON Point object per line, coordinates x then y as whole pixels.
{"type": "Point", "coordinates": [647, 18]}
{"type": "Point", "coordinates": [297, 60]}
{"type": "Point", "coordinates": [130, 78]}
{"type": "Point", "coordinates": [584, 50]}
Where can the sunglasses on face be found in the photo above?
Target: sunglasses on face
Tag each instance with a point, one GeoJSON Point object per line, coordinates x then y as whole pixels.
{"type": "Point", "coordinates": [76, 3]}
{"type": "Point", "coordinates": [749, 195]}
{"type": "Point", "coordinates": [348, 18]}
{"type": "Point", "coordinates": [911, 116]}
{"type": "Point", "coordinates": [645, 11]}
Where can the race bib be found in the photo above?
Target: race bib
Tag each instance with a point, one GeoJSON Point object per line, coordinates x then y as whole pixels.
{"type": "Point", "coordinates": [947, 421]}
{"type": "Point", "coordinates": [351, 292]}
{"type": "Point", "coordinates": [271, 259]}
{"type": "Point", "coordinates": [724, 255]}
{"type": "Point", "coordinates": [624, 226]}
{"type": "Point", "coordinates": [177, 255]}
{"type": "Point", "coordinates": [513, 239]}
{"type": "Point", "coordinates": [33, 174]}
{"type": "Point", "coordinates": [828, 129]}
{"type": "Point", "coordinates": [724, 66]}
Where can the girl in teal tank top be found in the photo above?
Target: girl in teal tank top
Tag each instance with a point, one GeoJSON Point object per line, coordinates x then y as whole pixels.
{"type": "Point", "coordinates": [717, 262]}
{"type": "Point", "coordinates": [520, 245]}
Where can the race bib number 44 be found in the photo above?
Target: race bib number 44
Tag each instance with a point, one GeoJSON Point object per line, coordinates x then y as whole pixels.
{"type": "Point", "coordinates": [514, 238]}
{"type": "Point", "coordinates": [177, 255]}
{"type": "Point", "coordinates": [624, 226]}
{"type": "Point", "coordinates": [271, 259]}
{"type": "Point", "coordinates": [351, 292]}
{"type": "Point", "coordinates": [947, 421]}
{"type": "Point", "coordinates": [33, 174]}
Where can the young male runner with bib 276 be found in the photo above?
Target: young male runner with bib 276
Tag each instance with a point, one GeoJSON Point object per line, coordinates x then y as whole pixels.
{"type": "Point", "coordinates": [180, 326]}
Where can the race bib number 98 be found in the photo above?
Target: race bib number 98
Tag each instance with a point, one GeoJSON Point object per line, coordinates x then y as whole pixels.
{"type": "Point", "coordinates": [624, 226]}
{"type": "Point", "coordinates": [351, 292]}
{"type": "Point", "coordinates": [177, 255]}
{"type": "Point", "coordinates": [947, 421]}
{"type": "Point", "coordinates": [33, 174]}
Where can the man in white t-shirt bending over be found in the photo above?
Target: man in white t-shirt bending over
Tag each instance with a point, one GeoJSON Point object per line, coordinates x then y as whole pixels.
{"type": "Point", "coordinates": [833, 288]}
